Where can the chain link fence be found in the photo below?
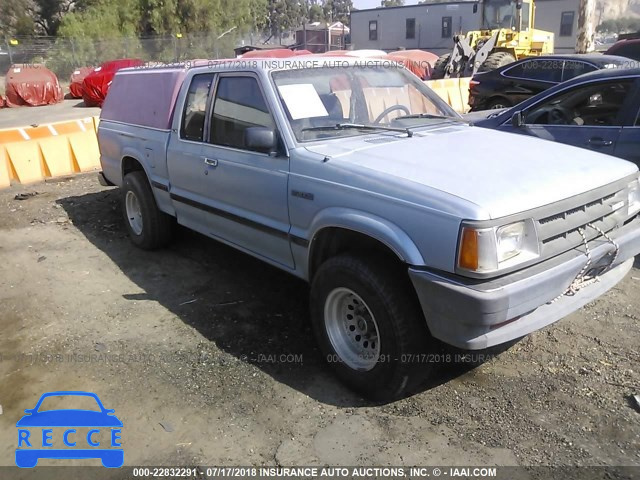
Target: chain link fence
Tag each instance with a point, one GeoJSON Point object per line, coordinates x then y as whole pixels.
{"type": "Point", "coordinates": [64, 55]}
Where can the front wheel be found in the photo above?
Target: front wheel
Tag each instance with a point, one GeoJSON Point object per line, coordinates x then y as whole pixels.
{"type": "Point", "coordinates": [440, 67]}
{"type": "Point", "coordinates": [369, 325]}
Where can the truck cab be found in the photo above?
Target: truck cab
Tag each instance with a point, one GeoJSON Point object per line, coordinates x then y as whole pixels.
{"type": "Point", "coordinates": [357, 178]}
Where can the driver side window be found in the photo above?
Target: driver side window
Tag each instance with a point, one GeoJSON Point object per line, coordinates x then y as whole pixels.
{"type": "Point", "coordinates": [598, 104]}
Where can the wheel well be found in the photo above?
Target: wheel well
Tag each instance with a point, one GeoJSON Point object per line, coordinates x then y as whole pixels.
{"type": "Point", "coordinates": [130, 164]}
{"type": "Point", "coordinates": [332, 241]}
{"type": "Point", "coordinates": [498, 97]}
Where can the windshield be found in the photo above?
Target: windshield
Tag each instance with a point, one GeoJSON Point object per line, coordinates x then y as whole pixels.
{"type": "Point", "coordinates": [499, 14]}
{"type": "Point", "coordinates": [371, 96]}
{"type": "Point", "coordinates": [68, 402]}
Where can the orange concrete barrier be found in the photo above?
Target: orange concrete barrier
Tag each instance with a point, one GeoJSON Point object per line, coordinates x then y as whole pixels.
{"type": "Point", "coordinates": [31, 154]}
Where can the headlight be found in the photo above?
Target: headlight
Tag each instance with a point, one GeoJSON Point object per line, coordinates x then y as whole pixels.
{"type": "Point", "coordinates": [486, 250]}
{"type": "Point", "coordinates": [634, 197]}
{"type": "Point", "coordinates": [509, 241]}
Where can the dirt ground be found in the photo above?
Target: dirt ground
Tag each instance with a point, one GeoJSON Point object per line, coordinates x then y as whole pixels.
{"type": "Point", "coordinates": [207, 357]}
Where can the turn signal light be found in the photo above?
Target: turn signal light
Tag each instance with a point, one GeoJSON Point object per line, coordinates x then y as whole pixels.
{"type": "Point", "coordinates": [469, 249]}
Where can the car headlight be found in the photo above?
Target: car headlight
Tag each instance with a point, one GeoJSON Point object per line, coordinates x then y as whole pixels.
{"type": "Point", "coordinates": [487, 250]}
{"type": "Point", "coordinates": [634, 197]}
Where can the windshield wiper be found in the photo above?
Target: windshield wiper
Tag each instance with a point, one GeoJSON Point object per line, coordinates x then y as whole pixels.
{"type": "Point", "coordinates": [428, 115]}
{"type": "Point", "coordinates": [358, 126]}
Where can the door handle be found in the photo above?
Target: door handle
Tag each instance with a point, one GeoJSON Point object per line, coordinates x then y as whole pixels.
{"type": "Point", "coordinates": [599, 142]}
{"type": "Point", "coordinates": [212, 162]}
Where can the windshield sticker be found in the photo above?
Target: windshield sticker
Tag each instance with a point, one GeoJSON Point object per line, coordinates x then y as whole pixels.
{"type": "Point", "coordinates": [303, 101]}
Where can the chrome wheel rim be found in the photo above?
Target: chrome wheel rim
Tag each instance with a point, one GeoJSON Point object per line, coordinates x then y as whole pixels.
{"type": "Point", "coordinates": [134, 215]}
{"type": "Point", "coordinates": [352, 329]}
{"type": "Point", "coordinates": [497, 106]}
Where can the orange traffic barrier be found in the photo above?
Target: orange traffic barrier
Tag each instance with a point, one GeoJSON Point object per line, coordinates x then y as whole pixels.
{"type": "Point", "coordinates": [31, 154]}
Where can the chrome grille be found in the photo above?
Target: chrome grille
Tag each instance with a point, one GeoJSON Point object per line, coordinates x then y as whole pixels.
{"type": "Point", "coordinates": [558, 232]}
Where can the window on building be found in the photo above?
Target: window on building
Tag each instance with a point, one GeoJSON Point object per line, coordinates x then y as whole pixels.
{"type": "Point", "coordinates": [446, 27]}
{"type": "Point", "coordinates": [411, 28]}
{"type": "Point", "coordinates": [373, 30]}
{"type": "Point", "coordinates": [566, 24]}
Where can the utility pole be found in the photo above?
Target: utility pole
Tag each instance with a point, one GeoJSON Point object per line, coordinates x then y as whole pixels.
{"type": "Point", "coordinates": [586, 26]}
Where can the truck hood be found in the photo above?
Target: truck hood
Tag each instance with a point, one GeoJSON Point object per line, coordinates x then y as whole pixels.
{"type": "Point", "coordinates": [500, 173]}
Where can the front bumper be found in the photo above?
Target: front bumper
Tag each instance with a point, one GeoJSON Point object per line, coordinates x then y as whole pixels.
{"type": "Point", "coordinates": [476, 314]}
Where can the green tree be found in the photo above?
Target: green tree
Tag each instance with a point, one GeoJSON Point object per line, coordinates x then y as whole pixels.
{"type": "Point", "coordinates": [338, 10]}
{"type": "Point", "coordinates": [392, 3]}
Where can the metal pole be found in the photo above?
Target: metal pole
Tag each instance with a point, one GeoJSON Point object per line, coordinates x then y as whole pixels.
{"type": "Point", "coordinates": [9, 50]}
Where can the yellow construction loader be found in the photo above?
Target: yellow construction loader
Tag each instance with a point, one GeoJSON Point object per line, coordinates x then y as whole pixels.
{"type": "Point", "coordinates": [506, 34]}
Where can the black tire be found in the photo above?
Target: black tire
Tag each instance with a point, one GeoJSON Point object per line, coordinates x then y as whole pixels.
{"type": "Point", "coordinates": [496, 60]}
{"type": "Point", "coordinates": [498, 102]}
{"type": "Point", "coordinates": [439, 67]}
{"type": "Point", "coordinates": [403, 333]}
{"type": "Point", "coordinates": [157, 227]}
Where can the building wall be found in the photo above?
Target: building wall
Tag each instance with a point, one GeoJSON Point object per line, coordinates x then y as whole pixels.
{"type": "Point", "coordinates": [428, 30]}
{"type": "Point", "coordinates": [428, 27]}
{"type": "Point", "coordinates": [548, 17]}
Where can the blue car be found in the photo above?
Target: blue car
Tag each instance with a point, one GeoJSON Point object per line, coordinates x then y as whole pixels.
{"type": "Point", "coordinates": [29, 454]}
{"type": "Point", "coordinates": [599, 111]}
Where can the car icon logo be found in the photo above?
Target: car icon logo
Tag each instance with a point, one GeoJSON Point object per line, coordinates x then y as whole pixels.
{"type": "Point", "coordinates": [36, 437]}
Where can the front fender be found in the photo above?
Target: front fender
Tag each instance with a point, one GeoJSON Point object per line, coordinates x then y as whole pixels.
{"type": "Point", "coordinates": [376, 227]}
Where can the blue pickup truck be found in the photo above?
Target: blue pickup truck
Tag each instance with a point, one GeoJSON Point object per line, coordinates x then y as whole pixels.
{"type": "Point", "coordinates": [408, 223]}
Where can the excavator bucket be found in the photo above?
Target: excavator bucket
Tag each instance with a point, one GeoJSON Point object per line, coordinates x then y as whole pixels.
{"type": "Point", "coordinates": [464, 60]}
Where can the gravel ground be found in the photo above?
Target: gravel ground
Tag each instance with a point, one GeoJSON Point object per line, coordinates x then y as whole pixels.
{"type": "Point", "coordinates": [207, 357]}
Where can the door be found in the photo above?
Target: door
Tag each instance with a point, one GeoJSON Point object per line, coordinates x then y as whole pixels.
{"type": "Point", "coordinates": [589, 115]}
{"type": "Point", "coordinates": [246, 188]}
{"type": "Point", "coordinates": [628, 144]}
{"type": "Point", "coordinates": [184, 155]}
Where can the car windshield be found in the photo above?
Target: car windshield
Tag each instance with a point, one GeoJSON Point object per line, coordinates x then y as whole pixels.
{"type": "Point", "coordinates": [372, 97]}
{"type": "Point", "coordinates": [499, 14]}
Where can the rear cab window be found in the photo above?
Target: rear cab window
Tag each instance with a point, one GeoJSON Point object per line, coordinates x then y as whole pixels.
{"type": "Point", "coordinates": [195, 106]}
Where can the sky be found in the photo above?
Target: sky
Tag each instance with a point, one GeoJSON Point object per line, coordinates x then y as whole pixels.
{"type": "Point", "coordinates": [362, 4]}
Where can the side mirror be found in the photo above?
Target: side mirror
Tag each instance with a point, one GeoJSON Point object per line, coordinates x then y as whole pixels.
{"type": "Point", "coordinates": [517, 120]}
{"type": "Point", "coordinates": [519, 4]}
{"type": "Point", "coordinates": [261, 139]}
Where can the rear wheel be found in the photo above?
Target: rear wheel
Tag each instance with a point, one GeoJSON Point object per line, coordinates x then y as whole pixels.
{"type": "Point", "coordinates": [440, 66]}
{"type": "Point", "coordinates": [498, 102]}
{"type": "Point", "coordinates": [369, 325]}
{"type": "Point", "coordinates": [148, 227]}
{"type": "Point", "coordinates": [496, 60]}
